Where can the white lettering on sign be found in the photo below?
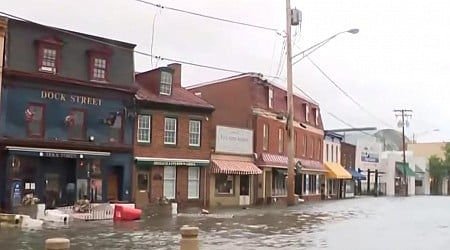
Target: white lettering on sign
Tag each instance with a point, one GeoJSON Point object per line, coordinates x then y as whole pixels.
{"type": "Point", "coordinates": [80, 99]}
{"type": "Point", "coordinates": [173, 163]}
{"type": "Point", "coordinates": [234, 140]}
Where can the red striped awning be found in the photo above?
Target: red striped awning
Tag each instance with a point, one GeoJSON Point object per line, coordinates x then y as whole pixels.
{"type": "Point", "coordinates": [281, 161]}
{"type": "Point", "coordinates": [234, 167]}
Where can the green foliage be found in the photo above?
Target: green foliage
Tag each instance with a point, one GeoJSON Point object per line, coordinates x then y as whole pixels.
{"type": "Point", "coordinates": [440, 168]}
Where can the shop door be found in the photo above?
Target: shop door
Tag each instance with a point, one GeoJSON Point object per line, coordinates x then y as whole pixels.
{"type": "Point", "coordinates": [112, 187]}
{"type": "Point", "coordinates": [142, 188]}
{"type": "Point", "coordinates": [244, 194]}
{"type": "Point", "coordinates": [268, 186]}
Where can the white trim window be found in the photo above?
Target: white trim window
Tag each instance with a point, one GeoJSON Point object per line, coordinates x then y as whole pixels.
{"type": "Point", "coordinates": [144, 128]}
{"type": "Point", "coordinates": [194, 133]}
{"type": "Point", "coordinates": [165, 86]}
{"type": "Point", "coordinates": [193, 183]}
{"type": "Point", "coordinates": [270, 98]}
{"type": "Point", "coordinates": [170, 182]}
{"type": "Point", "coordinates": [170, 131]}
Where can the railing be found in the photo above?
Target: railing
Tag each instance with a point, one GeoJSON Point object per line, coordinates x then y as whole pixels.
{"type": "Point", "coordinates": [381, 189]}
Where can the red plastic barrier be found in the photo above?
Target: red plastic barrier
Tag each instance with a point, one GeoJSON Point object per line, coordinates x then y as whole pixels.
{"type": "Point", "coordinates": [122, 213]}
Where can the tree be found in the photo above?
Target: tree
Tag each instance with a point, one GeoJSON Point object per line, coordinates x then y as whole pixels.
{"type": "Point", "coordinates": [439, 169]}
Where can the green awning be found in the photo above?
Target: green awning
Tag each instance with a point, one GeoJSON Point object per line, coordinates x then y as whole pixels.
{"type": "Point", "coordinates": [409, 171]}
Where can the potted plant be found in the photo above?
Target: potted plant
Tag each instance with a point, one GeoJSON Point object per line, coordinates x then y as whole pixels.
{"type": "Point", "coordinates": [29, 205]}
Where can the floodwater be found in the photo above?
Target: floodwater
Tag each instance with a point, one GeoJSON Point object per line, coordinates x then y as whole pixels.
{"type": "Point", "coordinates": [420, 222]}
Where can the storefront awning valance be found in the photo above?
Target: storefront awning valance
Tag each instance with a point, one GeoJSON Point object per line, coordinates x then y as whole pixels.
{"type": "Point", "coordinates": [409, 172]}
{"type": "Point", "coordinates": [357, 175]}
{"type": "Point", "coordinates": [281, 161]}
{"type": "Point", "coordinates": [56, 153]}
{"type": "Point", "coordinates": [336, 171]}
{"type": "Point", "coordinates": [234, 167]}
{"type": "Point", "coordinates": [151, 161]}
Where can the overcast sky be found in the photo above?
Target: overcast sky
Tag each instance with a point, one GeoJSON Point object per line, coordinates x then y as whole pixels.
{"type": "Point", "coordinates": [399, 59]}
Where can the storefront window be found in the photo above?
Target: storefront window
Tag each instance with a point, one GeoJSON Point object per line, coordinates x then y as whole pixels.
{"type": "Point", "coordinates": [96, 190]}
{"type": "Point", "coordinates": [224, 184]}
{"type": "Point", "coordinates": [170, 175]}
{"type": "Point", "coordinates": [312, 184]}
{"type": "Point", "coordinates": [142, 182]}
{"type": "Point", "coordinates": [193, 182]}
{"type": "Point", "coordinates": [279, 183]}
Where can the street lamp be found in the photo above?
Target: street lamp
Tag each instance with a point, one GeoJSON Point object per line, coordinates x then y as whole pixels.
{"type": "Point", "coordinates": [293, 17]}
{"type": "Point", "coordinates": [320, 44]}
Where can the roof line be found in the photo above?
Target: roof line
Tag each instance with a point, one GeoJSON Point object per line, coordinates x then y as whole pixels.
{"type": "Point", "coordinates": [249, 74]}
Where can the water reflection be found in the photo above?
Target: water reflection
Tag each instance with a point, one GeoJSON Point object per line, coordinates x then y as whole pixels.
{"type": "Point", "coordinates": [315, 226]}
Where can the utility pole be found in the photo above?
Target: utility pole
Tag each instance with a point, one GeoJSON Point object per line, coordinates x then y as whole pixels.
{"type": "Point", "coordinates": [404, 114]}
{"type": "Point", "coordinates": [290, 104]}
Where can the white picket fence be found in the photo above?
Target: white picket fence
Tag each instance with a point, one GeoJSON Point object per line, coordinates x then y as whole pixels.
{"type": "Point", "coordinates": [95, 212]}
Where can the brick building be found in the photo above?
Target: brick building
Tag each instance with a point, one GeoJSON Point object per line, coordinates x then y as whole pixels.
{"type": "Point", "coordinates": [248, 101]}
{"type": "Point", "coordinates": [172, 144]}
{"type": "Point", "coordinates": [65, 132]}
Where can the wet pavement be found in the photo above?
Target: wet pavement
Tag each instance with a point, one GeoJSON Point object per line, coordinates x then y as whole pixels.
{"type": "Point", "coordinates": [420, 222]}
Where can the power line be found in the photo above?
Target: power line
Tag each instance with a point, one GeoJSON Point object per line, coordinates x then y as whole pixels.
{"type": "Point", "coordinates": [135, 51]}
{"type": "Point", "coordinates": [209, 17]}
{"type": "Point", "coordinates": [346, 93]}
{"type": "Point", "coordinates": [329, 113]}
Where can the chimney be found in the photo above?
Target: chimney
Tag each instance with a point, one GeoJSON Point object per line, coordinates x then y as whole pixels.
{"type": "Point", "coordinates": [176, 77]}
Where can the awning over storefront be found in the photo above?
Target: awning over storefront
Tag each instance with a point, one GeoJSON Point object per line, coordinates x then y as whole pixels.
{"type": "Point", "coordinates": [150, 161]}
{"type": "Point", "coordinates": [336, 171]}
{"type": "Point", "coordinates": [409, 171]}
{"type": "Point", "coordinates": [357, 175]}
{"type": "Point", "coordinates": [56, 153]}
{"type": "Point", "coordinates": [234, 167]}
{"type": "Point", "coordinates": [420, 174]}
{"type": "Point", "coordinates": [281, 161]}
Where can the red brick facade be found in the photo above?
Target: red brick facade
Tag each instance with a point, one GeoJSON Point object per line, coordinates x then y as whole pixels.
{"type": "Point", "coordinates": [152, 156]}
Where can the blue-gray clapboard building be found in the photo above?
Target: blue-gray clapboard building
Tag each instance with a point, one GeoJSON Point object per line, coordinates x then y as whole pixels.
{"type": "Point", "coordinates": [66, 119]}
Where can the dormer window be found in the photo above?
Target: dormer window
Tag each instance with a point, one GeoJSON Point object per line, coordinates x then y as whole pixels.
{"type": "Point", "coordinates": [165, 85]}
{"type": "Point", "coordinates": [306, 110]}
{"type": "Point", "coordinates": [270, 98]}
{"type": "Point", "coordinates": [48, 54]}
{"type": "Point", "coordinates": [316, 116]}
{"type": "Point", "coordinates": [99, 64]}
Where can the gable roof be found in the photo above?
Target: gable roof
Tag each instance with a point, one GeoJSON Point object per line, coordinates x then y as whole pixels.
{"type": "Point", "coordinates": [179, 97]}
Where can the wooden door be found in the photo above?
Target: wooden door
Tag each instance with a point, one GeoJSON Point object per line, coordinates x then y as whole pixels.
{"type": "Point", "coordinates": [112, 187]}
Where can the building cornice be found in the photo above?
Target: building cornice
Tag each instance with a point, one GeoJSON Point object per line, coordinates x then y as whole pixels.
{"type": "Point", "coordinates": [273, 116]}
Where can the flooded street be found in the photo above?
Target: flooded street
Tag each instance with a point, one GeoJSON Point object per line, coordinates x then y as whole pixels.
{"type": "Point", "coordinates": [363, 223]}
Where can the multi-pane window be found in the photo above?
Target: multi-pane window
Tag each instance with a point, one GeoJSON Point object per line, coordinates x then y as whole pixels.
{"type": "Point", "coordinates": [144, 128]}
{"type": "Point", "coordinates": [305, 145]}
{"type": "Point", "coordinates": [165, 86]}
{"type": "Point", "coordinates": [170, 180]}
{"type": "Point", "coordinates": [280, 140]}
{"type": "Point", "coordinates": [311, 152]}
{"type": "Point", "coordinates": [295, 143]}
{"type": "Point", "coordinates": [170, 130]}
{"type": "Point", "coordinates": [34, 116]}
{"type": "Point", "coordinates": [193, 182]}
{"type": "Point", "coordinates": [99, 69]}
{"type": "Point", "coordinates": [77, 130]}
{"type": "Point", "coordinates": [48, 60]}
{"type": "Point", "coordinates": [116, 129]}
{"type": "Point", "coordinates": [265, 137]}
{"type": "Point", "coordinates": [224, 184]}
{"type": "Point", "coordinates": [194, 133]}
{"type": "Point", "coordinates": [270, 97]}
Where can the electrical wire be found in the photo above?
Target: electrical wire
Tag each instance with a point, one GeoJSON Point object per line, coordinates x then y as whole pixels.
{"type": "Point", "coordinates": [79, 35]}
{"type": "Point", "coordinates": [209, 17]}
{"type": "Point", "coordinates": [346, 93]}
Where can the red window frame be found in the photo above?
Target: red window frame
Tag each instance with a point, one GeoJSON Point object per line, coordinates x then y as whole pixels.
{"type": "Point", "coordinates": [52, 43]}
{"type": "Point", "coordinates": [99, 53]}
{"type": "Point", "coordinates": [84, 126]}
{"type": "Point", "coordinates": [120, 139]}
{"type": "Point", "coordinates": [42, 125]}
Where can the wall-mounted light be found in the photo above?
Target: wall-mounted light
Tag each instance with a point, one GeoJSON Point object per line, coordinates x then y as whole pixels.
{"type": "Point", "coordinates": [91, 138]}
{"type": "Point", "coordinates": [81, 156]}
{"type": "Point", "coordinates": [41, 154]}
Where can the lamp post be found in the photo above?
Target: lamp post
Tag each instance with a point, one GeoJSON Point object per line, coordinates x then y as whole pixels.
{"type": "Point", "coordinates": [320, 44]}
{"type": "Point", "coordinates": [290, 97]}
